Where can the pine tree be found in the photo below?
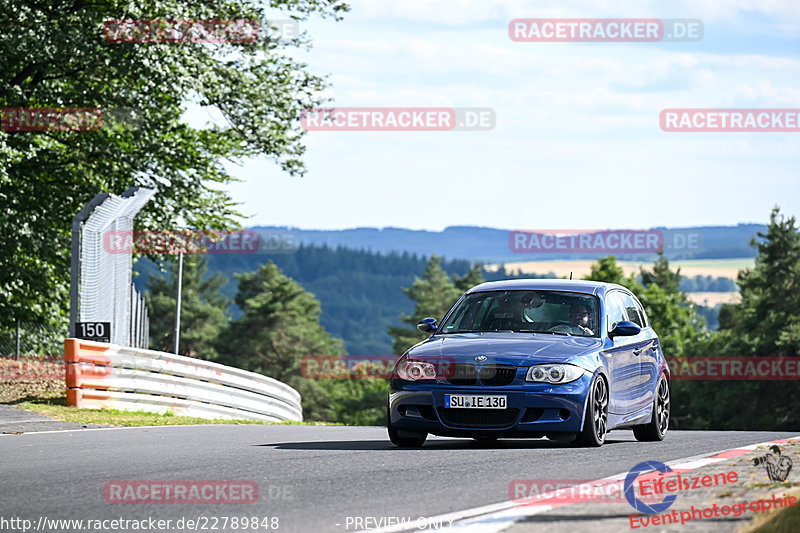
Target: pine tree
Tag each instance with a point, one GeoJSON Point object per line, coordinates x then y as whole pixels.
{"type": "Point", "coordinates": [606, 269]}
{"type": "Point", "coordinates": [662, 276]}
{"type": "Point", "coordinates": [767, 321]}
{"type": "Point", "coordinates": [203, 309]}
{"type": "Point", "coordinates": [433, 296]}
{"type": "Point", "coordinates": [278, 327]}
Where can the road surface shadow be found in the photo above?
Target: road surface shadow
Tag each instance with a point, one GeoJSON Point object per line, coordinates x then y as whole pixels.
{"type": "Point", "coordinates": [435, 444]}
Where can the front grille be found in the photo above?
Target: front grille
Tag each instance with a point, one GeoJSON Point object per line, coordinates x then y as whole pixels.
{"type": "Point", "coordinates": [478, 418]}
{"type": "Point", "coordinates": [497, 376]}
{"type": "Point", "coordinates": [490, 375]}
{"type": "Point", "coordinates": [463, 374]}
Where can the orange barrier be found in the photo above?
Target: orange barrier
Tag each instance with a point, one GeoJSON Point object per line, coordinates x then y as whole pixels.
{"type": "Point", "coordinates": [107, 376]}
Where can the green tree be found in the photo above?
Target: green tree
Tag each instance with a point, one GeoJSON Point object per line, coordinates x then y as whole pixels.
{"type": "Point", "coordinates": [433, 296]}
{"type": "Point", "coordinates": [607, 270]}
{"type": "Point", "coordinates": [674, 317]}
{"type": "Point", "coordinates": [358, 402]}
{"type": "Point", "coordinates": [671, 315]}
{"type": "Point", "coordinates": [279, 326]}
{"type": "Point", "coordinates": [662, 276]}
{"type": "Point", "coordinates": [54, 55]}
{"type": "Point", "coordinates": [203, 309]}
{"type": "Point", "coordinates": [469, 280]}
{"type": "Point", "coordinates": [765, 323]}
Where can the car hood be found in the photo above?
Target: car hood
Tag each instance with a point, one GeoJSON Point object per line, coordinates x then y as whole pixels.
{"type": "Point", "coordinates": [519, 349]}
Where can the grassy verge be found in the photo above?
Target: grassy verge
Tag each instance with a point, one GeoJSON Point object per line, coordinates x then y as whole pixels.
{"type": "Point", "coordinates": [786, 520]}
{"type": "Point", "coordinates": [56, 407]}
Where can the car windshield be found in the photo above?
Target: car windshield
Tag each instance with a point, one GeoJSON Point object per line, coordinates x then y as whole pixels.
{"type": "Point", "coordinates": [553, 312]}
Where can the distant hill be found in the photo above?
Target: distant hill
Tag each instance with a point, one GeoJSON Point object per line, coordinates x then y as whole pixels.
{"type": "Point", "coordinates": [361, 292]}
{"type": "Point", "coordinates": [490, 245]}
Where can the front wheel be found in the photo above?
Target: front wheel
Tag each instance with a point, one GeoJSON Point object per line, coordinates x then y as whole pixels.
{"type": "Point", "coordinates": [656, 429]}
{"type": "Point", "coordinates": [595, 420]}
{"type": "Point", "coordinates": [404, 439]}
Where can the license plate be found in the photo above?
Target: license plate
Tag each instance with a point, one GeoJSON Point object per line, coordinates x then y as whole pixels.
{"type": "Point", "coordinates": [469, 401]}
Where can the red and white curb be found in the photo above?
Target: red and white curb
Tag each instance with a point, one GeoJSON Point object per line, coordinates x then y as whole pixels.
{"type": "Point", "coordinates": [497, 517]}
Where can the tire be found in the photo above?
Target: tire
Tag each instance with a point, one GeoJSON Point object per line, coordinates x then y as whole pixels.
{"type": "Point", "coordinates": [408, 439]}
{"type": "Point", "coordinates": [595, 420]}
{"type": "Point", "coordinates": [656, 429]}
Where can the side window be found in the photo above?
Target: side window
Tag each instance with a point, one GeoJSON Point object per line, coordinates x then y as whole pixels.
{"type": "Point", "coordinates": [641, 312]}
{"type": "Point", "coordinates": [614, 309]}
{"type": "Point", "coordinates": [632, 309]}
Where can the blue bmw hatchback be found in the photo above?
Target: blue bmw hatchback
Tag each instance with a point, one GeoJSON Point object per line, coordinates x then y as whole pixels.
{"type": "Point", "coordinates": [567, 360]}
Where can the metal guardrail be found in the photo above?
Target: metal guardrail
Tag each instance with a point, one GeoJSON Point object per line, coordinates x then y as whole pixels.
{"type": "Point", "coordinates": [108, 376]}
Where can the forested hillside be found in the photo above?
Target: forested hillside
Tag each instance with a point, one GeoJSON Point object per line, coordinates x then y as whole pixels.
{"type": "Point", "coordinates": [360, 291]}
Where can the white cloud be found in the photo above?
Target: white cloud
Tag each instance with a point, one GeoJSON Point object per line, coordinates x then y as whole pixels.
{"type": "Point", "coordinates": [571, 119]}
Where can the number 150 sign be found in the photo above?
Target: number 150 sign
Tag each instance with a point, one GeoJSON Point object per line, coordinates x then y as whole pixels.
{"type": "Point", "coordinates": [94, 331]}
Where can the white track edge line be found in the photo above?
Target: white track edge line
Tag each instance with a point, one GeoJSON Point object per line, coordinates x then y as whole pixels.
{"type": "Point", "coordinates": [497, 517]}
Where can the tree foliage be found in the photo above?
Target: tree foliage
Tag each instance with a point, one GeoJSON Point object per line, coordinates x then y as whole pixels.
{"type": "Point", "coordinates": [765, 323]}
{"type": "Point", "coordinates": [671, 315]}
{"type": "Point", "coordinates": [433, 295]}
{"type": "Point", "coordinates": [53, 54]}
{"type": "Point", "coordinates": [279, 326]}
{"type": "Point", "coordinates": [204, 309]}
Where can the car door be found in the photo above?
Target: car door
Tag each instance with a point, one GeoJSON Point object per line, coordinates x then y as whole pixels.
{"type": "Point", "coordinates": [642, 346]}
{"type": "Point", "coordinates": [649, 361]}
{"type": "Point", "coordinates": [623, 365]}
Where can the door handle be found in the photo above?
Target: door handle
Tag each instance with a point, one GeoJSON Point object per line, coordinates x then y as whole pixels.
{"type": "Point", "coordinates": [637, 351]}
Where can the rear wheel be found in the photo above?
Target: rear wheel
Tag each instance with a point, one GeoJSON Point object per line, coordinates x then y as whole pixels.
{"type": "Point", "coordinates": [656, 429]}
{"type": "Point", "coordinates": [595, 420]}
{"type": "Point", "coordinates": [404, 439]}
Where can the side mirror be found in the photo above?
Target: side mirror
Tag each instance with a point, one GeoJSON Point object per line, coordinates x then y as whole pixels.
{"type": "Point", "coordinates": [623, 329]}
{"type": "Point", "coordinates": [427, 325]}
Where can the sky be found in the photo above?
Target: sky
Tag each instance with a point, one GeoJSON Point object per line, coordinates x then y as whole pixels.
{"type": "Point", "coordinates": [577, 142]}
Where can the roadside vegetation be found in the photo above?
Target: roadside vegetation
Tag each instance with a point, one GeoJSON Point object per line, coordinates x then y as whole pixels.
{"type": "Point", "coordinates": [56, 407]}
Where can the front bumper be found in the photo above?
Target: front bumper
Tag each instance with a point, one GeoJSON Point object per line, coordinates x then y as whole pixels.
{"type": "Point", "coordinates": [533, 409]}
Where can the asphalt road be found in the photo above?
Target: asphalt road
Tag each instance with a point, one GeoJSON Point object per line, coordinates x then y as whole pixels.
{"type": "Point", "coordinates": [311, 478]}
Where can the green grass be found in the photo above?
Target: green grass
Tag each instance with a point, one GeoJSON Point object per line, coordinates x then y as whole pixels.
{"type": "Point", "coordinates": [786, 520]}
{"type": "Point", "coordinates": [57, 408]}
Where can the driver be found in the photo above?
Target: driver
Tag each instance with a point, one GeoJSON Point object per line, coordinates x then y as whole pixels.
{"type": "Point", "coordinates": [579, 316]}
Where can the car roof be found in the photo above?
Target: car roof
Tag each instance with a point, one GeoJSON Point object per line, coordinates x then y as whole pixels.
{"type": "Point", "coordinates": [575, 285]}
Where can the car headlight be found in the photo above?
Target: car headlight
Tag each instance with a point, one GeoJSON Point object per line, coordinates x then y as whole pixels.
{"type": "Point", "coordinates": [415, 370]}
{"type": "Point", "coordinates": [554, 373]}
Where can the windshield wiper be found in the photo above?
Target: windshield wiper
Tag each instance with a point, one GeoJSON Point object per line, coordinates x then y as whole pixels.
{"type": "Point", "coordinates": [560, 333]}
